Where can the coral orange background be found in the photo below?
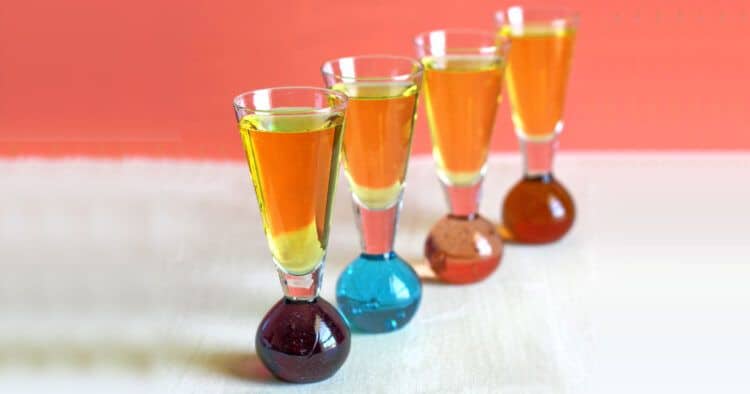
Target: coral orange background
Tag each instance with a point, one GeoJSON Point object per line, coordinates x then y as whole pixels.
{"type": "Point", "coordinates": [156, 78]}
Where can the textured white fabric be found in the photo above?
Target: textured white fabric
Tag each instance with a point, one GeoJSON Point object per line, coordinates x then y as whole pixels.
{"type": "Point", "coordinates": [152, 276]}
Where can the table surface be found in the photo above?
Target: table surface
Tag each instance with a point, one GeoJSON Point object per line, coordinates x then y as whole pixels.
{"type": "Point", "coordinates": [152, 276]}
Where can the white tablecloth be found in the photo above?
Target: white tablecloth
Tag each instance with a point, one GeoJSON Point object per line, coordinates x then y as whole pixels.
{"type": "Point", "coordinates": [152, 276]}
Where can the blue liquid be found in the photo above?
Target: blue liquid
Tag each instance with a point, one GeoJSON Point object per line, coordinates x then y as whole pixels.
{"type": "Point", "coordinates": [378, 293]}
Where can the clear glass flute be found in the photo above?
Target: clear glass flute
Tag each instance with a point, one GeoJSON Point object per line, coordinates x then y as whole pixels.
{"type": "Point", "coordinates": [378, 291]}
{"type": "Point", "coordinates": [462, 84]}
{"type": "Point", "coordinates": [292, 138]}
{"type": "Point", "coordinates": [538, 209]}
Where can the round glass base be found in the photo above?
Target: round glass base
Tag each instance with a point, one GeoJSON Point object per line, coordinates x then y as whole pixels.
{"type": "Point", "coordinates": [537, 210]}
{"type": "Point", "coordinates": [378, 293]}
{"type": "Point", "coordinates": [303, 342]}
{"type": "Point", "coordinates": [463, 249]}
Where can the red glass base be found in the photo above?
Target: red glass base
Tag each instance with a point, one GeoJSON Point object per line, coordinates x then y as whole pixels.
{"type": "Point", "coordinates": [303, 342]}
{"type": "Point", "coordinates": [537, 210]}
{"type": "Point", "coordinates": [463, 249]}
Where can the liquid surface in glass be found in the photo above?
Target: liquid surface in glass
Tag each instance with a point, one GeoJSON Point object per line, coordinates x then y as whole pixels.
{"type": "Point", "coordinates": [293, 158]}
{"type": "Point", "coordinates": [462, 94]}
{"type": "Point", "coordinates": [538, 67]}
{"type": "Point", "coordinates": [379, 125]}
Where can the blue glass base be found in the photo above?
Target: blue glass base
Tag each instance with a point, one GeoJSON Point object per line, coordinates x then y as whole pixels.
{"type": "Point", "coordinates": [378, 293]}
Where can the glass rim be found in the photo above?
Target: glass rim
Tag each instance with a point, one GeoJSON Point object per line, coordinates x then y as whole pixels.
{"type": "Point", "coordinates": [340, 107]}
{"type": "Point", "coordinates": [557, 13]}
{"type": "Point", "coordinates": [399, 77]}
{"type": "Point", "coordinates": [419, 39]}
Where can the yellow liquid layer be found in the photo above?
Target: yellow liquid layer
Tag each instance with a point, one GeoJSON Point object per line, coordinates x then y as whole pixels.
{"type": "Point", "coordinates": [379, 127]}
{"type": "Point", "coordinates": [462, 94]}
{"type": "Point", "coordinates": [293, 160]}
{"type": "Point", "coordinates": [537, 76]}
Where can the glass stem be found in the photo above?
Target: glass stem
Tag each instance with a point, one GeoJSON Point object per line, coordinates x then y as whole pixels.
{"type": "Point", "coordinates": [305, 287]}
{"type": "Point", "coordinates": [538, 156]}
{"type": "Point", "coordinates": [377, 227]}
{"type": "Point", "coordinates": [463, 200]}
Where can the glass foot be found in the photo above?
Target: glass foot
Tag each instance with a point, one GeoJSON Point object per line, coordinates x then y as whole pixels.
{"type": "Point", "coordinates": [463, 249]}
{"type": "Point", "coordinates": [537, 210]}
{"type": "Point", "coordinates": [302, 342]}
{"type": "Point", "coordinates": [378, 293]}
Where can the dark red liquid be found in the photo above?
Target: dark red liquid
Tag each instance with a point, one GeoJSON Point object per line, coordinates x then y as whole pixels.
{"type": "Point", "coordinates": [537, 210]}
{"type": "Point", "coordinates": [303, 342]}
{"type": "Point", "coordinates": [463, 249]}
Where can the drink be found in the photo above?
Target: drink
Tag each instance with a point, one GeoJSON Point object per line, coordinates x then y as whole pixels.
{"type": "Point", "coordinates": [462, 93]}
{"type": "Point", "coordinates": [538, 69]}
{"type": "Point", "coordinates": [379, 123]}
{"type": "Point", "coordinates": [293, 156]}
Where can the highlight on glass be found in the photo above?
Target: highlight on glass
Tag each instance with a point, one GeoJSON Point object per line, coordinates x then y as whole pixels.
{"type": "Point", "coordinates": [462, 85]}
{"type": "Point", "coordinates": [378, 291]}
{"type": "Point", "coordinates": [538, 209]}
{"type": "Point", "coordinates": [292, 137]}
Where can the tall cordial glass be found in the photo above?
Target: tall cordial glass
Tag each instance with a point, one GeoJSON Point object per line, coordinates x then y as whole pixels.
{"type": "Point", "coordinates": [462, 84]}
{"type": "Point", "coordinates": [378, 291]}
{"type": "Point", "coordinates": [538, 209]}
{"type": "Point", "coordinates": [292, 137]}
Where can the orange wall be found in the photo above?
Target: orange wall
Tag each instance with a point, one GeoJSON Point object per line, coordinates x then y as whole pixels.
{"type": "Point", "coordinates": [156, 78]}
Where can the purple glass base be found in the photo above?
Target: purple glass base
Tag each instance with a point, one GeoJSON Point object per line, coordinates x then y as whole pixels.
{"type": "Point", "coordinates": [303, 342]}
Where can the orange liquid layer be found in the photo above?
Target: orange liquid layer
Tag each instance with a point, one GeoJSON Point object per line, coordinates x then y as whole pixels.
{"type": "Point", "coordinates": [462, 96]}
{"type": "Point", "coordinates": [292, 173]}
{"type": "Point", "coordinates": [538, 68]}
{"type": "Point", "coordinates": [377, 138]}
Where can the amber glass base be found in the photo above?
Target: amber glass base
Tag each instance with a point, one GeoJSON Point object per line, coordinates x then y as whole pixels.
{"type": "Point", "coordinates": [301, 341]}
{"type": "Point", "coordinates": [537, 210]}
{"type": "Point", "coordinates": [463, 249]}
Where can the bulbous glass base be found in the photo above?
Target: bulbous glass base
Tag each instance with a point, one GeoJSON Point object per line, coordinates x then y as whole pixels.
{"type": "Point", "coordinates": [378, 293]}
{"type": "Point", "coordinates": [537, 210]}
{"type": "Point", "coordinates": [463, 249]}
{"type": "Point", "coordinates": [302, 342]}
